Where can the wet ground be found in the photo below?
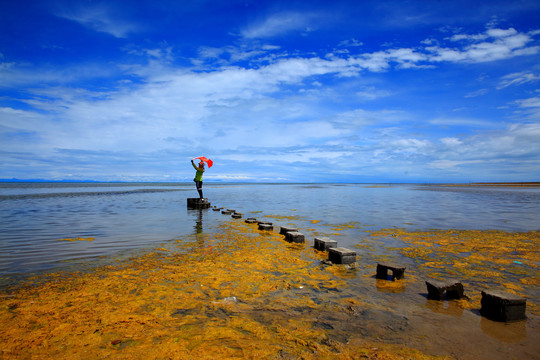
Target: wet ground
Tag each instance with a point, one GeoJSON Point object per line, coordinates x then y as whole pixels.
{"type": "Point", "coordinates": [242, 293]}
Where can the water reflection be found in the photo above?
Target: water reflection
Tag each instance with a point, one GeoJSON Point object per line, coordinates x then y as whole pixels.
{"type": "Point", "coordinates": [198, 220]}
{"type": "Point", "coordinates": [449, 307]}
{"type": "Point", "coordinates": [506, 332]}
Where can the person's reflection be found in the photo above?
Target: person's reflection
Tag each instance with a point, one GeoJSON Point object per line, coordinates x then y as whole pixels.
{"type": "Point", "coordinates": [199, 221]}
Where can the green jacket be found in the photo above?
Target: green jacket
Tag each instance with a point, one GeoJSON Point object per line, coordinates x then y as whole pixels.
{"type": "Point", "coordinates": [199, 174]}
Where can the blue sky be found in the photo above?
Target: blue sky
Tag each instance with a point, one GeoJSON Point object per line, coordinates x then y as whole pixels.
{"type": "Point", "coordinates": [286, 91]}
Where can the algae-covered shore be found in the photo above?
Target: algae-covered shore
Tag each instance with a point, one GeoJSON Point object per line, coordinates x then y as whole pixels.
{"type": "Point", "coordinates": [242, 293]}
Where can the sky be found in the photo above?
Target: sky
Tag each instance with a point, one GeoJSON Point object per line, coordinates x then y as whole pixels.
{"type": "Point", "coordinates": [271, 91]}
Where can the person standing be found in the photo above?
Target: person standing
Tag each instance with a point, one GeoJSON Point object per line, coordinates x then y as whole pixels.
{"type": "Point", "coordinates": [198, 177]}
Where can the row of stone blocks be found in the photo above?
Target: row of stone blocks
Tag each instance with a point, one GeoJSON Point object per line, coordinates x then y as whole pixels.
{"type": "Point", "coordinates": [231, 212]}
{"type": "Point", "coordinates": [495, 305]}
{"type": "Point", "coordinates": [337, 255]}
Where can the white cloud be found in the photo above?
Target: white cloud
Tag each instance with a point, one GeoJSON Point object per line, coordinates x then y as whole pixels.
{"type": "Point", "coordinates": [518, 78]}
{"type": "Point", "coordinates": [477, 93]}
{"type": "Point", "coordinates": [531, 107]}
{"type": "Point", "coordinates": [530, 103]}
{"type": "Point", "coordinates": [494, 44]}
{"type": "Point", "coordinates": [451, 141]}
{"type": "Point", "coordinates": [372, 93]}
{"type": "Point", "coordinates": [350, 43]}
{"type": "Point", "coordinates": [514, 147]}
{"type": "Point", "coordinates": [228, 109]}
{"type": "Point", "coordinates": [466, 122]}
{"type": "Point", "coordinates": [279, 24]}
{"type": "Point", "coordinates": [99, 17]}
{"type": "Point", "coordinates": [408, 146]}
{"type": "Point", "coordinates": [450, 164]}
{"type": "Point", "coordinates": [359, 118]}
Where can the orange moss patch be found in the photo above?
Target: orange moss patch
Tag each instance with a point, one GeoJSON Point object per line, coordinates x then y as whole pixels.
{"type": "Point", "coordinates": [77, 239]}
{"type": "Point", "coordinates": [481, 259]}
{"type": "Point", "coordinates": [233, 294]}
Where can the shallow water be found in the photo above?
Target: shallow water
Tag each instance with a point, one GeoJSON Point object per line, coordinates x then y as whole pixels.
{"type": "Point", "coordinates": [125, 218]}
{"type": "Point", "coordinates": [119, 217]}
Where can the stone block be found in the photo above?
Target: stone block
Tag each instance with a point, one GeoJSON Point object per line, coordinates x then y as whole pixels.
{"type": "Point", "coordinates": [437, 289]}
{"type": "Point", "coordinates": [237, 215]}
{"type": "Point", "coordinates": [266, 227]}
{"type": "Point", "coordinates": [398, 271]}
{"type": "Point", "coordinates": [251, 220]}
{"type": "Point", "coordinates": [294, 236]}
{"type": "Point", "coordinates": [324, 243]}
{"type": "Point", "coordinates": [265, 222]}
{"type": "Point", "coordinates": [339, 255]}
{"type": "Point", "coordinates": [197, 203]}
{"type": "Point", "coordinates": [227, 212]}
{"type": "Point", "coordinates": [284, 230]}
{"type": "Point", "coordinates": [502, 306]}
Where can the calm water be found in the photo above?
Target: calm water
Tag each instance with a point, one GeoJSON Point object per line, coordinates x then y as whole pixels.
{"type": "Point", "coordinates": [122, 217]}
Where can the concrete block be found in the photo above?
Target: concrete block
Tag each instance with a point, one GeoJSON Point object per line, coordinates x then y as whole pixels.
{"type": "Point", "coordinates": [284, 230]}
{"type": "Point", "coordinates": [324, 243]}
{"type": "Point", "coordinates": [197, 203]}
{"type": "Point", "coordinates": [295, 236]}
{"type": "Point", "coordinates": [437, 289]}
{"type": "Point", "coordinates": [398, 271]}
{"type": "Point", "coordinates": [502, 306]}
{"type": "Point", "coordinates": [266, 227]}
{"type": "Point", "coordinates": [339, 255]}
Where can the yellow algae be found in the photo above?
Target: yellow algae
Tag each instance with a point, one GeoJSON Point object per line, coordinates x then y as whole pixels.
{"type": "Point", "coordinates": [77, 239]}
{"type": "Point", "coordinates": [485, 259]}
{"type": "Point", "coordinates": [233, 294]}
{"type": "Point", "coordinates": [240, 293]}
{"type": "Point", "coordinates": [315, 221]}
{"type": "Point", "coordinates": [282, 217]}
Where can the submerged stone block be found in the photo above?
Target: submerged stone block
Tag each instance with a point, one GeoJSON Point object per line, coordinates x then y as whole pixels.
{"type": "Point", "coordinates": [197, 203]}
{"type": "Point", "coordinates": [339, 255]}
{"type": "Point", "coordinates": [324, 243]}
{"type": "Point", "coordinates": [437, 289]}
{"type": "Point", "coordinates": [295, 236]}
{"type": "Point", "coordinates": [266, 227]}
{"type": "Point", "coordinates": [502, 306]}
{"type": "Point", "coordinates": [398, 271]}
{"type": "Point", "coordinates": [284, 230]}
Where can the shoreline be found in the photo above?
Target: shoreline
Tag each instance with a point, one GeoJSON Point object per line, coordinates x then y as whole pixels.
{"type": "Point", "coordinates": [497, 184]}
{"type": "Point", "coordinates": [241, 292]}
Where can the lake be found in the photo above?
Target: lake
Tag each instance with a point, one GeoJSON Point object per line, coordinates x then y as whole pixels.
{"type": "Point", "coordinates": [106, 219]}
{"type": "Point", "coordinates": [486, 236]}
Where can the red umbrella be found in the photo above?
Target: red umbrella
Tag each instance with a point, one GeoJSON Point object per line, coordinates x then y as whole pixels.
{"type": "Point", "coordinates": [208, 161]}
